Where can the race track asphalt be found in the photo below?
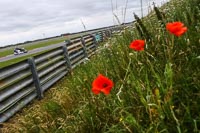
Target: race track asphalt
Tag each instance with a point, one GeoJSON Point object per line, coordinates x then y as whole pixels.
{"type": "Point", "coordinates": [34, 51]}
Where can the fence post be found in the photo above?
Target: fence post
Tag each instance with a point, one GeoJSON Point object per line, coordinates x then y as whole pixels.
{"type": "Point", "coordinates": [94, 40]}
{"type": "Point", "coordinates": [36, 79]}
{"type": "Point", "coordinates": [101, 32]}
{"type": "Point", "coordinates": [104, 35]}
{"type": "Point", "coordinates": [66, 55]}
{"type": "Point", "coordinates": [84, 47]}
{"type": "Point", "coordinates": [109, 32]}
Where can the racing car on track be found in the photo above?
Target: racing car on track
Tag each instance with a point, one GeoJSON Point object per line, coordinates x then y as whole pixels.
{"type": "Point", "coordinates": [18, 51]}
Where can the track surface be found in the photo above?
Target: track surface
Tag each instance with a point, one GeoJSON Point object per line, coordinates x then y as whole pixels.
{"type": "Point", "coordinates": [9, 57]}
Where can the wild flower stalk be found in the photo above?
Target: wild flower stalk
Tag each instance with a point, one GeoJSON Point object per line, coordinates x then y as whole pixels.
{"type": "Point", "coordinates": [177, 29]}
{"type": "Point", "coordinates": [160, 16]}
{"type": "Point", "coordinates": [145, 33]}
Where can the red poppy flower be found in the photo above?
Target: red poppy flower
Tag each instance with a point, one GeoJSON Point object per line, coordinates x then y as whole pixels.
{"type": "Point", "coordinates": [102, 84]}
{"type": "Point", "coordinates": [137, 45]}
{"type": "Point", "coordinates": [176, 28]}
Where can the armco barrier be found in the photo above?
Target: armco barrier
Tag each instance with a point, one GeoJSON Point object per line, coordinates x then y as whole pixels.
{"type": "Point", "coordinates": [27, 80]}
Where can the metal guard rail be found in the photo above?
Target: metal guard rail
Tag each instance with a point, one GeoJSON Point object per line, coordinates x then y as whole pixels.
{"type": "Point", "coordinates": [27, 80]}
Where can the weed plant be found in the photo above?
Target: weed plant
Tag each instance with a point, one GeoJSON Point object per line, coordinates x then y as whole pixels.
{"type": "Point", "coordinates": [155, 91]}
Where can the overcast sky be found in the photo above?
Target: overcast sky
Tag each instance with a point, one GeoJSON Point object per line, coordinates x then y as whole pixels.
{"type": "Point", "coordinates": [25, 20]}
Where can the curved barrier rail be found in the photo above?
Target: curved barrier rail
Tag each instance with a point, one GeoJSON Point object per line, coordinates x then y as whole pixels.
{"type": "Point", "coordinates": [27, 80]}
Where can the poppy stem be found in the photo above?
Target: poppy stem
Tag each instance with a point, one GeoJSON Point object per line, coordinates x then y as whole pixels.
{"type": "Point", "coordinates": [120, 89]}
{"type": "Point", "coordinates": [170, 49]}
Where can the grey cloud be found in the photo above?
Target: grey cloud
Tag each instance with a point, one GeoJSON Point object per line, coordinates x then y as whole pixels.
{"type": "Point", "coordinates": [41, 12]}
{"type": "Point", "coordinates": [20, 16]}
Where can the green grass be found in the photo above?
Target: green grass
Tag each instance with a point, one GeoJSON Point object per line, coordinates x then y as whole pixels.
{"type": "Point", "coordinates": [156, 90]}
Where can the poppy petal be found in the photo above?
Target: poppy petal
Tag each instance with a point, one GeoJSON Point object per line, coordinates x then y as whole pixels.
{"type": "Point", "coordinates": [102, 84]}
{"type": "Point", "coordinates": [176, 28]}
{"type": "Point", "coordinates": [95, 91]}
{"type": "Point", "coordinates": [137, 45]}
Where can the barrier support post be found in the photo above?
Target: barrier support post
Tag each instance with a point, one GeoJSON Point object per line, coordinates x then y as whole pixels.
{"type": "Point", "coordinates": [84, 47]}
{"type": "Point", "coordinates": [66, 55]}
{"type": "Point", "coordinates": [36, 79]}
